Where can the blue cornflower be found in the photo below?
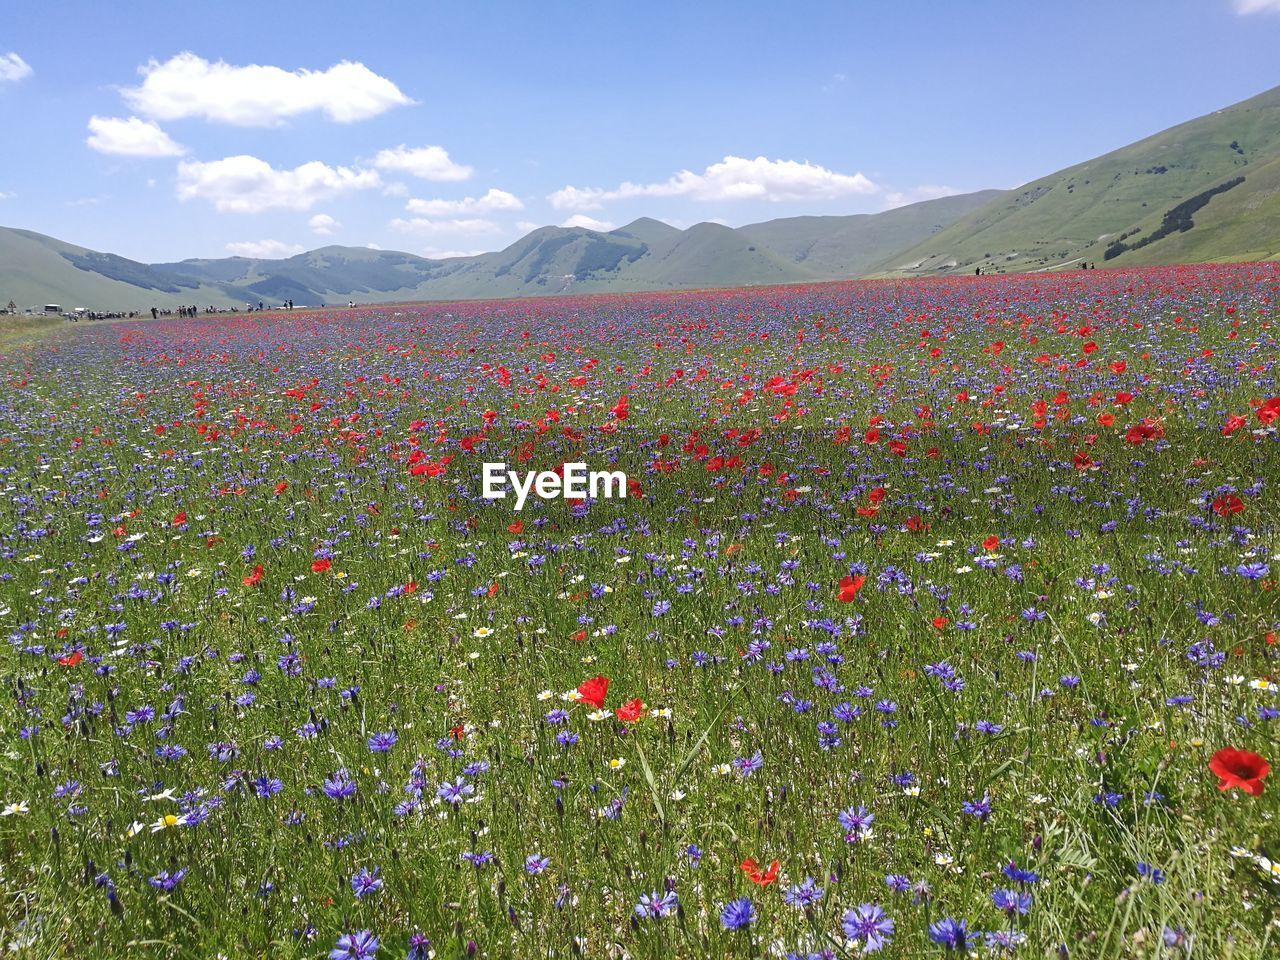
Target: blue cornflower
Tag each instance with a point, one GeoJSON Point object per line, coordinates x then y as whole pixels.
{"type": "Point", "coordinates": [656, 904]}
{"type": "Point", "coordinates": [978, 808]}
{"type": "Point", "coordinates": [419, 947]}
{"type": "Point", "coordinates": [455, 793]}
{"type": "Point", "coordinates": [802, 895]}
{"type": "Point", "coordinates": [339, 787]}
{"type": "Point", "coordinates": [952, 934]}
{"type": "Point", "coordinates": [867, 924]}
{"type": "Point", "coordinates": [897, 882]}
{"type": "Point", "coordinates": [856, 822]}
{"type": "Point", "coordinates": [382, 742]}
{"type": "Point", "coordinates": [355, 946]}
{"type": "Point", "coordinates": [737, 914]}
{"type": "Point", "coordinates": [1011, 901]}
{"type": "Point", "coordinates": [536, 863]}
{"type": "Point", "coordinates": [1154, 874]}
{"type": "Point", "coordinates": [1018, 875]}
{"type": "Point", "coordinates": [366, 882]}
{"type": "Point", "coordinates": [164, 880]}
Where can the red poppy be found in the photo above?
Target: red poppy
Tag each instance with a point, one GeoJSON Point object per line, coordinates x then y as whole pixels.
{"type": "Point", "coordinates": [849, 588]}
{"type": "Point", "coordinates": [516, 528]}
{"type": "Point", "coordinates": [179, 519]}
{"type": "Point", "coordinates": [940, 622]}
{"type": "Point", "coordinates": [990, 543]}
{"type": "Point", "coordinates": [761, 878]}
{"type": "Point", "coordinates": [592, 691]}
{"type": "Point", "coordinates": [631, 711]}
{"type": "Point", "coordinates": [1228, 504]}
{"type": "Point", "coordinates": [71, 659]}
{"type": "Point", "coordinates": [321, 565]}
{"type": "Point", "coordinates": [1146, 430]}
{"type": "Point", "coordinates": [254, 578]}
{"type": "Point", "coordinates": [1239, 768]}
{"type": "Point", "coordinates": [1234, 423]}
{"type": "Point", "coordinates": [1081, 460]}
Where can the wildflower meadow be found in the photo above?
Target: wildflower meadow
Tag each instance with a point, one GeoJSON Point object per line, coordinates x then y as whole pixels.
{"type": "Point", "coordinates": [939, 619]}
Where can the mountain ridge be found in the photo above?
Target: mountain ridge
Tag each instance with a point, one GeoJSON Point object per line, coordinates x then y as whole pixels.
{"type": "Point", "coordinates": [646, 254]}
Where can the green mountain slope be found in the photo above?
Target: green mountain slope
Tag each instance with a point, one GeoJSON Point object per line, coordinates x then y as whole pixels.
{"type": "Point", "coordinates": [849, 246]}
{"type": "Point", "coordinates": [1240, 223]}
{"type": "Point", "coordinates": [646, 254]}
{"type": "Point", "coordinates": [35, 270]}
{"type": "Point", "coordinates": [1076, 213]}
{"type": "Point", "coordinates": [647, 230]}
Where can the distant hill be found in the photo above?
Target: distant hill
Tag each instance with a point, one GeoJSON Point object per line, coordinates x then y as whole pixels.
{"type": "Point", "coordinates": [1220, 169]}
{"type": "Point", "coordinates": [849, 246]}
{"type": "Point", "coordinates": [35, 270]}
{"type": "Point", "coordinates": [1207, 189]}
{"type": "Point", "coordinates": [646, 254]}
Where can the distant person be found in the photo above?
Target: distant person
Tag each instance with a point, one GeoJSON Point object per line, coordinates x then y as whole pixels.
{"type": "Point", "coordinates": [154, 313]}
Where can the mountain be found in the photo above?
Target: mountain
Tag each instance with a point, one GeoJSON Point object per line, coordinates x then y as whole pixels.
{"type": "Point", "coordinates": [646, 254]}
{"type": "Point", "coordinates": [1203, 190]}
{"type": "Point", "coordinates": [647, 230]}
{"type": "Point", "coordinates": [849, 246]}
{"type": "Point", "coordinates": [35, 270]}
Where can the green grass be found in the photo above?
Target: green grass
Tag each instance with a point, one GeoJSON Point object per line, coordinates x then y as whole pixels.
{"type": "Point", "coordinates": [488, 647]}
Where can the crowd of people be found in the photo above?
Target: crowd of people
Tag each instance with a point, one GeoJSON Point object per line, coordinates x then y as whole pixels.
{"type": "Point", "coordinates": [194, 311]}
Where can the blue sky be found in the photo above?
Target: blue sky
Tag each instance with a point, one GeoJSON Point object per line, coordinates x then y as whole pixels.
{"type": "Point", "coordinates": [169, 130]}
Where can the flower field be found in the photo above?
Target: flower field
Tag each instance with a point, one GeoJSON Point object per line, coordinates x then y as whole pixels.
{"type": "Point", "coordinates": [940, 618]}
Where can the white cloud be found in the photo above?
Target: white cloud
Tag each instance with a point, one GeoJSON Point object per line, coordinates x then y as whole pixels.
{"type": "Point", "coordinates": [7, 195]}
{"type": "Point", "coordinates": [733, 178]}
{"type": "Point", "coordinates": [493, 200]}
{"type": "Point", "coordinates": [526, 225]}
{"type": "Point", "coordinates": [424, 225]}
{"type": "Point", "coordinates": [450, 254]}
{"type": "Point", "coordinates": [131, 138]}
{"type": "Point", "coordinates": [13, 68]}
{"type": "Point", "coordinates": [323, 224]}
{"type": "Point", "coordinates": [259, 95]}
{"type": "Point", "coordinates": [263, 249]}
{"type": "Point", "coordinates": [1244, 7]}
{"type": "Point", "coordinates": [928, 191]}
{"type": "Point", "coordinates": [245, 184]}
{"type": "Point", "coordinates": [429, 163]}
{"type": "Point", "coordinates": [590, 223]}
